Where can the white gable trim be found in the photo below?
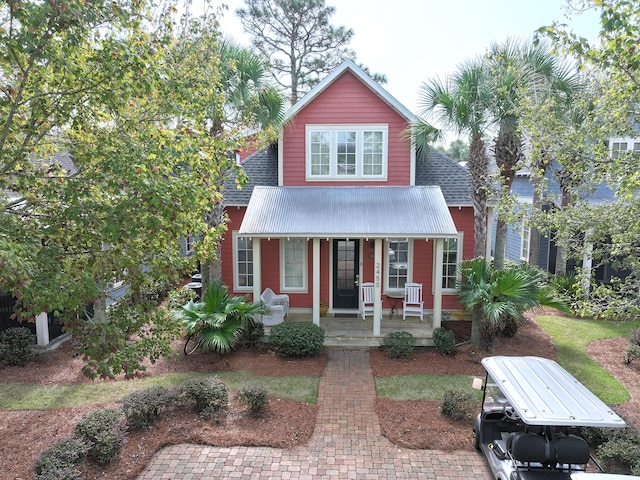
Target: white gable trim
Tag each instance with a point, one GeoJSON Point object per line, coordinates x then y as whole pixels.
{"type": "Point", "coordinates": [360, 74]}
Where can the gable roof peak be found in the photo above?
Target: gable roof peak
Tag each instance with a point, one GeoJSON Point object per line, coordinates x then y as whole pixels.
{"type": "Point", "coordinates": [349, 65]}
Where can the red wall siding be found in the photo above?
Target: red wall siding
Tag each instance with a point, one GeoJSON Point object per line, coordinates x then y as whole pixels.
{"type": "Point", "coordinates": [346, 101]}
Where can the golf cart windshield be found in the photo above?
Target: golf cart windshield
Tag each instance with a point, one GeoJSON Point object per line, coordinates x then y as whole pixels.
{"type": "Point", "coordinates": [541, 392]}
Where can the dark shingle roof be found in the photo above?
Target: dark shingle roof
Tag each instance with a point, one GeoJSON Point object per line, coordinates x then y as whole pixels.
{"type": "Point", "coordinates": [432, 168]}
{"type": "Point", "coordinates": [261, 169]}
{"type": "Point", "coordinates": [435, 168]}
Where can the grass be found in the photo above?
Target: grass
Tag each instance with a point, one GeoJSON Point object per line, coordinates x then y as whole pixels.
{"type": "Point", "coordinates": [571, 337]}
{"type": "Point", "coordinates": [21, 396]}
{"type": "Point", "coordinates": [420, 387]}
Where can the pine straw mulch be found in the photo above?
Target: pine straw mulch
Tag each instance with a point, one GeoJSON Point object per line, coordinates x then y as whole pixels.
{"type": "Point", "coordinates": [411, 424]}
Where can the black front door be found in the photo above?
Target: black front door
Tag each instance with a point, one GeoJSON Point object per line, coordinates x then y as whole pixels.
{"type": "Point", "coordinates": [345, 273]}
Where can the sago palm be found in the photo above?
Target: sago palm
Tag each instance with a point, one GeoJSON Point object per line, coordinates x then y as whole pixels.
{"type": "Point", "coordinates": [219, 318]}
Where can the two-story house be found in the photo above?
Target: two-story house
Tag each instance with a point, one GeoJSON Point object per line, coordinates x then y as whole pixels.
{"type": "Point", "coordinates": [341, 199]}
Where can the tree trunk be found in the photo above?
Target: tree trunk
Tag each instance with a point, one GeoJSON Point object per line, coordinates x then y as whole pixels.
{"type": "Point", "coordinates": [508, 153]}
{"type": "Point", "coordinates": [561, 254]}
{"type": "Point", "coordinates": [501, 243]}
{"type": "Point", "coordinates": [476, 328]}
{"type": "Point", "coordinates": [478, 166]}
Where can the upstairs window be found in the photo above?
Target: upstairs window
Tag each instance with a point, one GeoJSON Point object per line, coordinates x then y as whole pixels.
{"type": "Point", "coordinates": [346, 152]}
{"type": "Point", "coordinates": [620, 147]}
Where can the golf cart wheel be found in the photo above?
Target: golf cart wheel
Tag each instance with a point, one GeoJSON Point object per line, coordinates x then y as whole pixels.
{"type": "Point", "coordinates": [476, 436]}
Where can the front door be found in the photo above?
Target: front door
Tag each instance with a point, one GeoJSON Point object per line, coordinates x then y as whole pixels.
{"type": "Point", "coordinates": [345, 273]}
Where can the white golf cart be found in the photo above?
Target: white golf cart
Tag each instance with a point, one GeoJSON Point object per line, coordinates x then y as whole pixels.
{"type": "Point", "coordinates": [527, 405]}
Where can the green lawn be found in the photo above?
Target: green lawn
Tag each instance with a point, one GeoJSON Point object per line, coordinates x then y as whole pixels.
{"type": "Point", "coordinates": [571, 337]}
{"type": "Point", "coordinates": [21, 396]}
{"type": "Point", "coordinates": [420, 387]}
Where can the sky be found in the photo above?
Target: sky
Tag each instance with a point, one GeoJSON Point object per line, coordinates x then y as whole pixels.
{"type": "Point", "coordinates": [413, 41]}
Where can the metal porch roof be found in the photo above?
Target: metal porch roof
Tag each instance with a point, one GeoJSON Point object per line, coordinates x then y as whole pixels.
{"type": "Point", "coordinates": [352, 212]}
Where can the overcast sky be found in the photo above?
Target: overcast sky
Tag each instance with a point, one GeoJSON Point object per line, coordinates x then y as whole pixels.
{"type": "Point", "coordinates": [412, 41]}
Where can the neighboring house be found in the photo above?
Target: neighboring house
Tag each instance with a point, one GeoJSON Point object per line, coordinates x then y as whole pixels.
{"type": "Point", "coordinates": [342, 199]}
{"type": "Point", "coordinates": [519, 236]}
{"type": "Point", "coordinates": [48, 327]}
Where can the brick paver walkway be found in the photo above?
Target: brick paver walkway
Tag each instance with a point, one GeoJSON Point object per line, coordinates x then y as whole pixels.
{"type": "Point", "coordinates": [346, 444]}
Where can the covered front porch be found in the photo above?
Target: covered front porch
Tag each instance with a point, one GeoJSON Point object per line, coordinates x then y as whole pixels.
{"type": "Point", "coordinates": [344, 237]}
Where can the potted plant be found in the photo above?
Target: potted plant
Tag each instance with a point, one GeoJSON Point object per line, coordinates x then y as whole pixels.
{"type": "Point", "coordinates": [323, 309]}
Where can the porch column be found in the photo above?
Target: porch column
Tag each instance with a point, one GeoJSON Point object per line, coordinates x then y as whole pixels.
{"type": "Point", "coordinates": [257, 270]}
{"type": "Point", "coordinates": [42, 329]}
{"type": "Point", "coordinates": [316, 281]}
{"type": "Point", "coordinates": [437, 284]}
{"type": "Point", "coordinates": [377, 302]}
{"type": "Point", "coordinates": [587, 263]}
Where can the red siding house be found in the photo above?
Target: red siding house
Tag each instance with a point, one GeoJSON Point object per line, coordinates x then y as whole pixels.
{"type": "Point", "coordinates": [343, 199]}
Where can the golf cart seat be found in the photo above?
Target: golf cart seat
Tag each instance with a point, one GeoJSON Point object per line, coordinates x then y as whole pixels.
{"type": "Point", "coordinates": [571, 450]}
{"type": "Point", "coordinates": [528, 447]}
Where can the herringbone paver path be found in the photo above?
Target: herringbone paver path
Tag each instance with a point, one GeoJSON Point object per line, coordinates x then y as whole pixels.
{"type": "Point", "coordinates": [346, 444]}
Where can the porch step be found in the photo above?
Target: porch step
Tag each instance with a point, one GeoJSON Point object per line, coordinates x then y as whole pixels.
{"type": "Point", "coordinates": [367, 342]}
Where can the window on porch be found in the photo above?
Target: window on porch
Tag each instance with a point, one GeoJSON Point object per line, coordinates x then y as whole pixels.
{"type": "Point", "coordinates": [398, 262]}
{"type": "Point", "coordinates": [243, 263]}
{"type": "Point", "coordinates": [293, 265]}
{"type": "Point", "coordinates": [451, 257]}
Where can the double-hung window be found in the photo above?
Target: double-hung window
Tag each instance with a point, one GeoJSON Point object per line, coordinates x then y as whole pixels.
{"type": "Point", "coordinates": [293, 265]}
{"type": "Point", "coordinates": [243, 263]}
{"type": "Point", "coordinates": [451, 255]}
{"type": "Point", "coordinates": [398, 262]}
{"type": "Point", "coordinates": [346, 152]}
{"type": "Point", "coordinates": [620, 146]}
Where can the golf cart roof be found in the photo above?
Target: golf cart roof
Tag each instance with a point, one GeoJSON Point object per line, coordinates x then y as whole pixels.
{"type": "Point", "coordinates": [543, 393]}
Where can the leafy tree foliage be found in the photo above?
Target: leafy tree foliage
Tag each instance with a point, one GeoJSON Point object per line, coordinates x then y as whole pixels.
{"type": "Point", "coordinates": [612, 63]}
{"type": "Point", "coordinates": [458, 150]}
{"type": "Point", "coordinates": [130, 96]}
{"type": "Point", "coordinates": [297, 37]}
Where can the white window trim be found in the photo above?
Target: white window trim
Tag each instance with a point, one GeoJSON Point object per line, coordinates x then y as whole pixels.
{"type": "Point", "coordinates": [305, 253]}
{"type": "Point", "coordinates": [236, 283]}
{"type": "Point", "coordinates": [359, 129]}
{"type": "Point", "coordinates": [397, 291]}
{"type": "Point", "coordinates": [451, 291]}
{"type": "Point", "coordinates": [525, 230]}
{"type": "Point", "coordinates": [629, 146]}
{"type": "Point", "coordinates": [189, 243]}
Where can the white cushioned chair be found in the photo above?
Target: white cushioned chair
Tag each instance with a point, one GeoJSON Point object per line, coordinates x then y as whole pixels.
{"type": "Point", "coordinates": [278, 305]}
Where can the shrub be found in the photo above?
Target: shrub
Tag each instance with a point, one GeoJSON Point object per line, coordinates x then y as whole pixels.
{"type": "Point", "coordinates": [509, 326]}
{"type": "Point", "coordinates": [58, 461]}
{"type": "Point", "coordinates": [100, 429]}
{"type": "Point", "coordinates": [444, 341]}
{"type": "Point", "coordinates": [255, 398]}
{"type": "Point", "coordinates": [620, 454]}
{"type": "Point", "coordinates": [179, 297]}
{"type": "Point", "coordinates": [458, 404]}
{"type": "Point", "coordinates": [634, 337]}
{"type": "Point", "coordinates": [210, 395]}
{"type": "Point", "coordinates": [399, 344]}
{"type": "Point", "coordinates": [631, 353]}
{"type": "Point", "coordinates": [142, 407]}
{"type": "Point", "coordinates": [17, 343]}
{"type": "Point", "coordinates": [296, 339]}
{"type": "Point", "coordinates": [252, 333]}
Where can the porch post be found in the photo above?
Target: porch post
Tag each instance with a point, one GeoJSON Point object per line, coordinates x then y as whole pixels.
{"type": "Point", "coordinates": [587, 263]}
{"type": "Point", "coordinates": [377, 303]}
{"type": "Point", "coordinates": [257, 270]}
{"type": "Point", "coordinates": [42, 329]}
{"type": "Point", "coordinates": [437, 285]}
{"type": "Point", "coordinates": [316, 281]}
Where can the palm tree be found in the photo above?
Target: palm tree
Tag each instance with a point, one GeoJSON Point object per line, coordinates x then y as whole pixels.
{"type": "Point", "coordinates": [219, 318]}
{"type": "Point", "coordinates": [519, 69]}
{"type": "Point", "coordinates": [461, 103]}
{"type": "Point", "coordinates": [251, 105]}
{"type": "Point", "coordinates": [497, 299]}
